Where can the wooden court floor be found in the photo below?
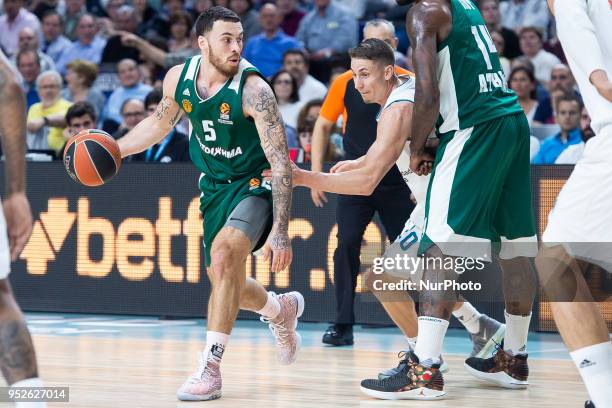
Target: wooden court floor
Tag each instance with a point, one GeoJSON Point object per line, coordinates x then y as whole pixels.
{"type": "Point", "coordinates": [126, 371]}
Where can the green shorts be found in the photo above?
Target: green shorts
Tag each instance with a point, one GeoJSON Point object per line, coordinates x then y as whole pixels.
{"type": "Point", "coordinates": [479, 197]}
{"type": "Point", "coordinates": [219, 199]}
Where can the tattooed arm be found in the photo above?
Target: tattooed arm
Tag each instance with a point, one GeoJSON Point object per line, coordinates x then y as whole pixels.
{"type": "Point", "coordinates": [155, 127]}
{"type": "Point", "coordinates": [259, 102]}
{"type": "Point", "coordinates": [13, 135]}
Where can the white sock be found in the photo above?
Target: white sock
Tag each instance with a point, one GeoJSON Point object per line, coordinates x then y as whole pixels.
{"type": "Point", "coordinates": [411, 342]}
{"type": "Point", "coordinates": [517, 329]}
{"type": "Point", "coordinates": [469, 317]}
{"type": "Point", "coordinates": [272, 307]}
{"type": "Point", "coordinates": [594, 364]}
{"type": "Point", "coordinates": [429, 342]}
{"type": "Point", "coordinates": [215, 345]}
{"type": "Point", "coordinates": [29, 382]}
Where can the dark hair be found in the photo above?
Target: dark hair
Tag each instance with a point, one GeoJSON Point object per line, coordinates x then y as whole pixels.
{"type": "Point", "coordinates": [529, 73]}
{"type": "Point", "coordinates": [568, 97]}
{"type": "Point", "coordinates": [207, 19]}
{"type": "Point", "coordinates": [52, 12]}
{"type": "Point", "coordinates": [80, 109]}
{"type": "Point", "coordinates": [153, 98]}
{"type": "Point", "coordinates": [182, 17]}
{"type": "Point", "coordinates": [294, 97]}
{"type": "Point", "coordinates": [303, 115]}
{"type": "Point", "coordinates": [21, 53]}
{"type": "Point", "coordinates": [297, 51]}
{"type": "Point", "coordinates": [373, 49]}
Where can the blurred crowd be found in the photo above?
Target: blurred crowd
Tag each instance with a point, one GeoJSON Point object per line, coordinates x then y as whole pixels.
{"type": "Point", "coordinates": [101, 62]}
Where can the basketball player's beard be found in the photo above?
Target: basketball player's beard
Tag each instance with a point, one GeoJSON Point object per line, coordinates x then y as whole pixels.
{"type": "Point", "coordinates": [218, 64]}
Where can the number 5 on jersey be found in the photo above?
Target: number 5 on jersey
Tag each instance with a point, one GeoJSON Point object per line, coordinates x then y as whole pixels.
{"type": "Point", "coordinates": [209, 131]}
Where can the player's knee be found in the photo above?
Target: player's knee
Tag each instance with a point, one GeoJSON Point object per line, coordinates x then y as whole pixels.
{"type": "Point", "coordinates": [222, 258]}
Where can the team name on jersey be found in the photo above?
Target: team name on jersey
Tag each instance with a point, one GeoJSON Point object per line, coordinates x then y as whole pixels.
{"type": "Point", "coordinates": [219, 151]}
{"type": "Point", "coordinates": [491, 81]}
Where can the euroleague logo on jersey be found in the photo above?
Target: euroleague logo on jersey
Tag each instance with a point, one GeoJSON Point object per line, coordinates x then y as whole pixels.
{"type": "Point", "coordinates": [224, 113]}
{"type": "Point", "coordinates": [187, 106]}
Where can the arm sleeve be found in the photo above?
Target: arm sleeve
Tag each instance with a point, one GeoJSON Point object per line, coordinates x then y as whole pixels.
{"type": "Point", "coordinates": [577, 35]}
{"type": "Point", "coordinates": [333, 105]}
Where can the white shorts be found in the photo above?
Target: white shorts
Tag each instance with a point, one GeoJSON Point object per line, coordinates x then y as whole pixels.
{"type": "Point", "coordinates": [5, 255]}
{"type": "Point", "coordinates": [581, 219]}
{"type": "Point", "coordinates": [406, 246]}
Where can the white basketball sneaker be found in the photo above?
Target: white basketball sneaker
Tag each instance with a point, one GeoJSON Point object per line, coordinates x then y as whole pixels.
{"type": "Point", "coordinates": [283, 326]}
{"type": "Point", "coordinates": [204, 384]}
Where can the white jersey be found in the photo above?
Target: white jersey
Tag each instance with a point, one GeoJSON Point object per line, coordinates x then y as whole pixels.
{"type": "Point", "coordinates": [585, 31]}
{"type": "Point", "coordinates": [417, 184]}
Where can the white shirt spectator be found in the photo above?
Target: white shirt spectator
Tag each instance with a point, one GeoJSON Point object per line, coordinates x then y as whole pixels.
{"type": "Point", "coordinates": [522, 13]}
{"type": "Point", "coordinates": [311, 89]}
{"type": "Point", "coordinates": [9, 31]}
{"type": "Point", "coordinates": [290, 112]}
{"type": "Point", "coordinates": [544, 62]}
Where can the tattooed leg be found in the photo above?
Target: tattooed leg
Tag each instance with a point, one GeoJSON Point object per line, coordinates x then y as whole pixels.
{"type": "Point", "coordinates": [17, 357]}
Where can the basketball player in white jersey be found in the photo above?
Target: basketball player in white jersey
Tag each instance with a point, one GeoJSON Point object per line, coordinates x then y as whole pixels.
{"type": "Point", "coordinates": [17, 357]}
{"type": "Point", "coordinates": [372, 64]}
{"type": "Point", "coordinates": [580, 224]}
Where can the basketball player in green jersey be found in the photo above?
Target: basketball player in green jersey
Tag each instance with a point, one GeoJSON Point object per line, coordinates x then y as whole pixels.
{"type": "Point", "coordinates": [236, 132]}
{"type": "Point", "coordinates": [478, 202]}
{"type": "Point", "coordinates": [17, 356]}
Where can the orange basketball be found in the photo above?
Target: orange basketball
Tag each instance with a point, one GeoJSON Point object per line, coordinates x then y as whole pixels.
{"type": "Point", "coordinates": [92, 157]}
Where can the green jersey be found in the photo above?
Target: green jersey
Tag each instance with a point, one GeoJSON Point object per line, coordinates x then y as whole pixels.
{"type": "Point", "coordinates": [223, 143]}
{"type": "Point", "coordinates": [473, 87]}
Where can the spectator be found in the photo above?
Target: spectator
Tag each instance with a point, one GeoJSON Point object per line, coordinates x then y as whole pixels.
{"type": "Point", "coordinates": [15, 18]}
{"type": "Point", "coordinates": [47, 118]}
{"type": "Point", "coordinates": [561, 82]}
{"type": "Point", "coordinates": [88, 45]}
{"type": "Point", "coordinates": [327, 32]}
{"type": "Point", "coordinates": [80, 116]}
{"type": "Point", "coordinates": [173, 148]}
{"type": "Point", "coordinates": [301, 154]}
{"type": "Point", "coordinates": [500, 45]}
{"type": "Point", "coordinates": [180, 29]}
{"type": "Point", "coordinates": [54, 42]}
{"type": "Point", "coordinates": [289, 105]}
{"type": "Point", "coordinates": [132, 112]}
{"type": "Point", "coordinates": [248, 17]}
{"type": "Point", "coordinates": [28, 40]}
{"type": "Point", "coordinates": [568, 117]}
{"type": "Point", "coordinates": [531, 41]}
{"type": "Point", "coordinates": [296, 62]}
{"type": "Point", "coordinates": [523, 83]}
{"type": "Point", "coordinates": [74, 10]}
{"type": "Point", "coordinates": [28, 65]}
{"type": "Point", "coordinates": [490, 13]}
{"type": "Point", "coordinates": [573, 153]}
{"type": "Point", "coordinates": [150, 25]}
{"type": "Point", "coordinates": [131, 88]}
{"type": "Point", "coordinates": [40, 7]}
{"type": "Point", "coordinates": [156, 54]}
{"type": "Point", "coordinates": [79, 80]}
{"type": "Point", "coordinates": [385, 30]}
{"type": "Point", "coordinates": [305, 125]}
{"type": "Point", "coordinates": [125, 20]}
{"type": "Point", "coordinates": [292, 16]}
{"type": "Point", "coordinates": [516, 14]}
{"type": "Point", "coordinates": [266, 50]}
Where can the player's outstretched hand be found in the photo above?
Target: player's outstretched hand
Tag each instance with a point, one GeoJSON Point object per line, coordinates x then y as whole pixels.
{"type": "Point", "coordinates": [279, 246]}
{"type": "Point", "coordinates": [18, 222]}
{"type": "Point", "coordinates": [421, 162]}
{"type": "Point", "coordinates": [344, 165]}
{"type": "Point", "coordinates": [296, 175]}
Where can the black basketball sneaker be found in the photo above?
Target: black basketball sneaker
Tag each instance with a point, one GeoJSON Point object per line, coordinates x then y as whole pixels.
{"type": "Point", "coordinates": [413, 381]}
{"type": "Point", "coordinates": [503, 369]}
